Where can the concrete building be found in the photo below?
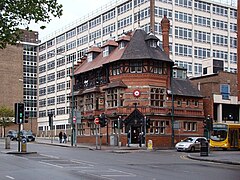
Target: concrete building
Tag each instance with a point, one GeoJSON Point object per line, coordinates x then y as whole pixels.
{"type": "Point", "coordinates": [198, 30]}
{"type": "Point", "coordinates": [18, 76]}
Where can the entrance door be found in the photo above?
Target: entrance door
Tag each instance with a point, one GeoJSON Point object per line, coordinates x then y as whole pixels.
{"type": "Point", "coordinates": [134, 134]}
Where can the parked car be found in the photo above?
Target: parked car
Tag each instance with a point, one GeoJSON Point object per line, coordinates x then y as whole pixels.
{"type": "Point", "coordinates": [12, 134]}
{"type": "Point", "coordinates": [28, 135]}
{"type": "Point", "coordinates": [190, 144]}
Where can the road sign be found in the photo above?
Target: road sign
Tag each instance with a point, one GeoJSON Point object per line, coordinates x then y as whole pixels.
{"type": "Point", "coordinates": [74, 119]}
{"type": "Point", "coordinates": [96, 120]}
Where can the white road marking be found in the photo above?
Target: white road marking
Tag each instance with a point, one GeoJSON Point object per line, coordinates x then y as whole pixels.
{"type": "Point", "coordinates": [81, 161]}
{"type": "Point", "coordinates": [10, 177]}
{"type": "Point", "coordinates": [50, 164]}
{"type": "Point", "coordinates": [50, 156]}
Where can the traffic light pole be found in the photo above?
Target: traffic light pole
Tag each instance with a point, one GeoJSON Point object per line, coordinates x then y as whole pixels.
{"type": "Point", "coordinates": [19, 127]}
{"type": "Point", "coordinates": [119, 131]}
{"type": "Point", "coordinates": [96, 137]}
{"type": "Point", "coordinates": [145, 131]}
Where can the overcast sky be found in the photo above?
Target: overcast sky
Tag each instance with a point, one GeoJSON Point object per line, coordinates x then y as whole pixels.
{"type": "Point", "coordinates": [72, 11]}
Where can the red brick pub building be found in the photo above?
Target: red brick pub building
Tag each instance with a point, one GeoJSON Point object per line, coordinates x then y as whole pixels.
{"type": "Point", "coordinates": [130, 80]}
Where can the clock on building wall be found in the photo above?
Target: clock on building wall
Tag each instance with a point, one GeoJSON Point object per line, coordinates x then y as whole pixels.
{"type": "Point", "coordinates": [136, 93]}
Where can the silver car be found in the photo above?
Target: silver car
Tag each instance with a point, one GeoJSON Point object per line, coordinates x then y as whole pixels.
{"type": "Point", "coordinates": [190, 144]}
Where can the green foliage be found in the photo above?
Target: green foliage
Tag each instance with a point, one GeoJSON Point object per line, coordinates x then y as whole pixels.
{"type": "Point", "coordinates": [21, 13]}
{"type": "Point", "coordinates": [6, 115]}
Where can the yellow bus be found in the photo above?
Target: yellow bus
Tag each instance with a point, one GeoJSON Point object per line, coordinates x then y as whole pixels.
{"type": "Point", "coordinates": [225, 136]}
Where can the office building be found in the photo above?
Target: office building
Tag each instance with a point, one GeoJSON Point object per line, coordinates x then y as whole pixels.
{"type": "Point", "coordinates": [18, 78]}
{"type": "Point", "coordinates": [198, 30]}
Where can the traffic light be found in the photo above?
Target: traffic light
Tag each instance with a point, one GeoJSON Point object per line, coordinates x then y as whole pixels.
{"type": "Point", "coordinates": [19, 113]}
{"type": "Point", "coordinates": [209, 123]}
{"type": "Point", "coordinates": [102, 120]}
{"type": "Point", "coordinates": [115, 123]}
{"type": "Point", "coordinates": [26, 116]}
{"type": "Point", "coordinates": [148, 123]}
{"type": "Point", "coordinates": [205, 124]}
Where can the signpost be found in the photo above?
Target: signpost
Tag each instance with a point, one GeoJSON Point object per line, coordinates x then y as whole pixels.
{"type": "Point", "coordinates": [74, 119]}
{"type": "Point", "coordinates": [96, 121]}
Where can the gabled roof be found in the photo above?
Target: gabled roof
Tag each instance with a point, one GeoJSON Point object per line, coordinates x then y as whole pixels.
{"type": "Point", "coordinates": [137, 48]}
{"type": "Point", "coordinates": [184, 87]}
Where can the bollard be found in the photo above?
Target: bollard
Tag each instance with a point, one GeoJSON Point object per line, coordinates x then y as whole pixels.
{"type": "Point", "coordinates": [7, 142]}
{"type": "Point", "coordinates": [149, 145]}
{"type": "Point", "coordinates": [24, 145]}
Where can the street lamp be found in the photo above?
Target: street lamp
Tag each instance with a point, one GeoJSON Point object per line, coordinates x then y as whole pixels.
{"type": "Point", "coordinates": [73, 105]}
{"type": "Point", "coordinates": [172, 113]}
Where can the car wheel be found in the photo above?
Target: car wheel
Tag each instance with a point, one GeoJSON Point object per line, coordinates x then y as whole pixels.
{"type": "Point", "coordinates": [192, 149]}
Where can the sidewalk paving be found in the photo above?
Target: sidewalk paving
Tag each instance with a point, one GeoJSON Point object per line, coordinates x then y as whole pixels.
{"type": "Point", "coordinates": [116, 149]}
{"type": "Point", "coordinates": [226, 157]}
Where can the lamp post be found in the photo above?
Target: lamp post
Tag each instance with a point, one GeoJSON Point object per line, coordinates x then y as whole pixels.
{"type": "Point", "coordinates": [73, 106]}
{"type": "Point", "coordinates": [172, 114]}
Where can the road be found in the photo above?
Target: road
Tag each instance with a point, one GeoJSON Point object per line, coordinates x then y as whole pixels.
{"type": "Point", "coordinates": [60, 163]}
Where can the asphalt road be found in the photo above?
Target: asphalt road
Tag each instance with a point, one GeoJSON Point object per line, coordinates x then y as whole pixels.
{"type": "Point", "coordinates": [60, 163]}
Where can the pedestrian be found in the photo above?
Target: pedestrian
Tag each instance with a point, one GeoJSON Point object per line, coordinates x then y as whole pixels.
{"type": "Point", "coordinates": [140, 139]}
{"type": "Point", "coordinates": [60, 136]}
{"type": "Point", "coordinates": [65, 138]}
{"type": "Point", "coordinates": [128, 138]}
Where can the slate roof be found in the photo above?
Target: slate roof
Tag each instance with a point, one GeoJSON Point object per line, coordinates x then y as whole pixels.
{"type": "Point", "coordinates": [137, 48]}
{"type": "Point", "coordinates": [184, 87]}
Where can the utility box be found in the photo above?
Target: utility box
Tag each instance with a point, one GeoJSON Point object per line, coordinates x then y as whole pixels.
{"type": "Point", "coordinates": [204, 148]}
{"type": "Point", "coordinates": [113, 140]}
{"type": "Point", "coordinates": [7, 142]}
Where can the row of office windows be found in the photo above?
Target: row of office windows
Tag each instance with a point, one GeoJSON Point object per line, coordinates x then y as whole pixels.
{"type": "Point", "coordinates": [51, 77]}
{"type": "Point", "coordinates": [58, 111]}
{"type": "Point", "coordinates": [204, 6]}
{"type": "Point", "coordinates": [61, 99]}
{"type": "Point", "coordinates": [51, 89]}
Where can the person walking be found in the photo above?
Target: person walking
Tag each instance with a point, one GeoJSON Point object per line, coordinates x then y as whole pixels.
{"type": "Point", "coordinates": [60, 136]}
{"type": "Point", "coordinates": [128, 138]}
{"type": "Point", "coordinates": [65, 138]}
{"type": "Point", "coordinates": [140, 139]}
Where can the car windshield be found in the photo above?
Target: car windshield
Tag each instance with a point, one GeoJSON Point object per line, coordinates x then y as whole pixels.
{"type": "Point", "coordinates": [188, 140]}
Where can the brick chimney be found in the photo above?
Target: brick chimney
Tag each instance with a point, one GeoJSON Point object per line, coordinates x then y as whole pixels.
{"type": "Point", "coordinates": [238, 49]}
{"type": "Point", "coordinates": [165, 24]}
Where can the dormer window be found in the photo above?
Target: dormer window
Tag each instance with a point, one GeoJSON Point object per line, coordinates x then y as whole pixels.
{"type": "Point", "coordinates": [121, 45]}
{"type": "Point", "coordinates": [90, 57]}
{"type": "Point", "coordinates": [153, 43]}
{"type": "Point", "coordinates": [105, 51]}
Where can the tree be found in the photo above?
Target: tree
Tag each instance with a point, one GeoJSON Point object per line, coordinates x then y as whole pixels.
{"type": "Point", "coordinates": [15, 13]}
{"type": "Point", "coordinates": [6, 117]}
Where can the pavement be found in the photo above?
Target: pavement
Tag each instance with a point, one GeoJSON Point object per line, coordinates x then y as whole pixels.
{"type": "Point", "coordinates": [226, 157]}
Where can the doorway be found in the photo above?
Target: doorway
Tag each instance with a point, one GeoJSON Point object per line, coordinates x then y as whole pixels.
{"type": "Point", "coordinates": [134, 134]}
